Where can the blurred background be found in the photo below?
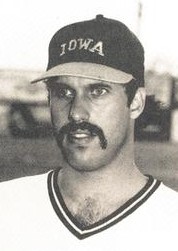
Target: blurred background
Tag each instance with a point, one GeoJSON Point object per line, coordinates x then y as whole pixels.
{"type": "Point", "coordinates": [26, 143]}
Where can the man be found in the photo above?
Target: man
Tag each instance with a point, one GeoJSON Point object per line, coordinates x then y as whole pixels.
{"type": "Point", "coordinates": [97, 199]}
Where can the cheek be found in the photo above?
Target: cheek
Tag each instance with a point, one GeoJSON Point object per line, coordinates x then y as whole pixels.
{"type": "Point", "coordinates": [111, 117]}
{"type": "Point", "coordinates": [59, 113]}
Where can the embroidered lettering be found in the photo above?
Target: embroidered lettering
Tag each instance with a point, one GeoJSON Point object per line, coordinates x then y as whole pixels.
{"type": "Point", "coordinates": [72, 45]}
{"type": "Point", "coordinates": [98, 48]}
{"type": "Point", "coordinates": [87, 44]}
{"type": "Point", "coordinates": [84, 44]}
{"type": "Point", "coordinates": [63, 46]}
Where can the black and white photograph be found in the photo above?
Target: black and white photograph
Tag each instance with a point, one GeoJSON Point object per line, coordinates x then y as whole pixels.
{"type": "Point", "coordinates": [88, 125]}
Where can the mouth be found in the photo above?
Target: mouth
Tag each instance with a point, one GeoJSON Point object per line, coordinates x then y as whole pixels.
{"type": "Point", "coordinates": [80, 136]}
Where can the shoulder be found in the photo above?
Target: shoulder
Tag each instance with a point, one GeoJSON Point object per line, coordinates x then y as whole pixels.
{"type": "Point", "coordinates": [163, 206]}
{"type": "Point", "coordinates": [165, 198]}
{"type": "Point", "coordinates": [23, 188]}
{"type": "Point", "coordinates": [165, 193]}
{"type": "Point", "coordinates": [24, 198]}
{"type": "Point", "coordinates": [23, 181]}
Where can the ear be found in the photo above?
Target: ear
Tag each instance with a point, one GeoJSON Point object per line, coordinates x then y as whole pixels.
{"type": "Point", "coordinates": [138, 103]}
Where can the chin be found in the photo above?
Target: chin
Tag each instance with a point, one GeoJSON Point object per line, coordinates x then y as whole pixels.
{"type": "Point", "coordinates": [80, 162]}
{"type": "Point", "coordinates": [90, 157]}
{"type": "Point", "coordinates": [87, 161]}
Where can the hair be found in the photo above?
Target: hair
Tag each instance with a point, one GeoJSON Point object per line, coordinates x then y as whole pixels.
{"type": "Point", "coordinates": [130, 90]}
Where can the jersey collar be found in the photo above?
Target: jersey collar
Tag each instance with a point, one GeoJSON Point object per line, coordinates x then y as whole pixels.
{"type": "Point", "coordinates": [82, 232]}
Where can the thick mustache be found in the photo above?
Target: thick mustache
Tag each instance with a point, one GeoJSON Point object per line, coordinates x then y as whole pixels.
{"type": "Point", "coordinates": [73, 126]}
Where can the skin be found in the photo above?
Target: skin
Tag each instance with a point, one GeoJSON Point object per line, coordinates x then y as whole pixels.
{"type": "Point", "coordinates": [91, 173]}
{"type": "Point", "coordinates": [94, 102]}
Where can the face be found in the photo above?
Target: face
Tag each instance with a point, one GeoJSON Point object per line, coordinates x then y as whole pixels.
{"type": "Point", "coordinates": [91, 120]}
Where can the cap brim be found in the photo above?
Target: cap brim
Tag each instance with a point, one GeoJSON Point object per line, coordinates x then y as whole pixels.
{"type": "Point", "coordinates": [87, 70]}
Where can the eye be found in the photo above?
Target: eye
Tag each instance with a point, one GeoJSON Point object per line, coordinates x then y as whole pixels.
{"type": "Point", "coordinates": [98, 91]}
{"type": "Point", "coordinates": [65, 93]}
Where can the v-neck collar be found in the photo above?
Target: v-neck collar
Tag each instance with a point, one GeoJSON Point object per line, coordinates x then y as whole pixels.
{"type": "Point", "coordinates": [82, 232]}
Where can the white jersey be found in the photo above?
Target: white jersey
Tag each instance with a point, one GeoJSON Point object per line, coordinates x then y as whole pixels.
{"type": "Point", "coordinates": [33, 217]}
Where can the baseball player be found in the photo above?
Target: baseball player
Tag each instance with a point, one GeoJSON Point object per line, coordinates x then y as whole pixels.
{"type": "Point", "coordinates": [97, 199]}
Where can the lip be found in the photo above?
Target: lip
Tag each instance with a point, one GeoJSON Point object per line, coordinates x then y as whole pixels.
{"type": "Point", "coordinates": [80, 133]}
{"type": "Point", "coordinates": [80, 137]}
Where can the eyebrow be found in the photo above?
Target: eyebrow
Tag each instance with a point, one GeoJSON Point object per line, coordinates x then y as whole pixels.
{"type": "Point", "coordinates": [101, 85]}
{"type": "Point", "coordinates": [54, 84]}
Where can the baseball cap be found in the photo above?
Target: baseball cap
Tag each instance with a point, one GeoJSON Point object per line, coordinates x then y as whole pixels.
{"type": "Point", "coordinates": [101, 48]}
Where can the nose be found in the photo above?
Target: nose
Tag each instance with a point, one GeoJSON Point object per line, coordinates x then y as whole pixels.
{"type": "Point", "coordinates": [79, 110]}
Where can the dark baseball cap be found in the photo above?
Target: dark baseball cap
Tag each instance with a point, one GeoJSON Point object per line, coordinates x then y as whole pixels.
{"type": "Point", "coordinates": [101, 48]}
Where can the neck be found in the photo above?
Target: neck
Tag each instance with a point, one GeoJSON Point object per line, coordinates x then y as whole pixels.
{"type": "Point", "coordinates": [76, 184]}
{"type": "Point", "coordinates": [121, 179]}
{"type": "Point", "coordinates": [93, 195]}
{"type": "Point", "coordinates": [120, 174]}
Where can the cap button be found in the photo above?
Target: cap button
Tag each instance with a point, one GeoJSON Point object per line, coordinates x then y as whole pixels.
{"type": "Point", "coordinates": [99, 17]}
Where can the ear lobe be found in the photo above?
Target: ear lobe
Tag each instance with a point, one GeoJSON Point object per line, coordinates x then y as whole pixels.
{"type": "Point", "coordinates": [138, 103]}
